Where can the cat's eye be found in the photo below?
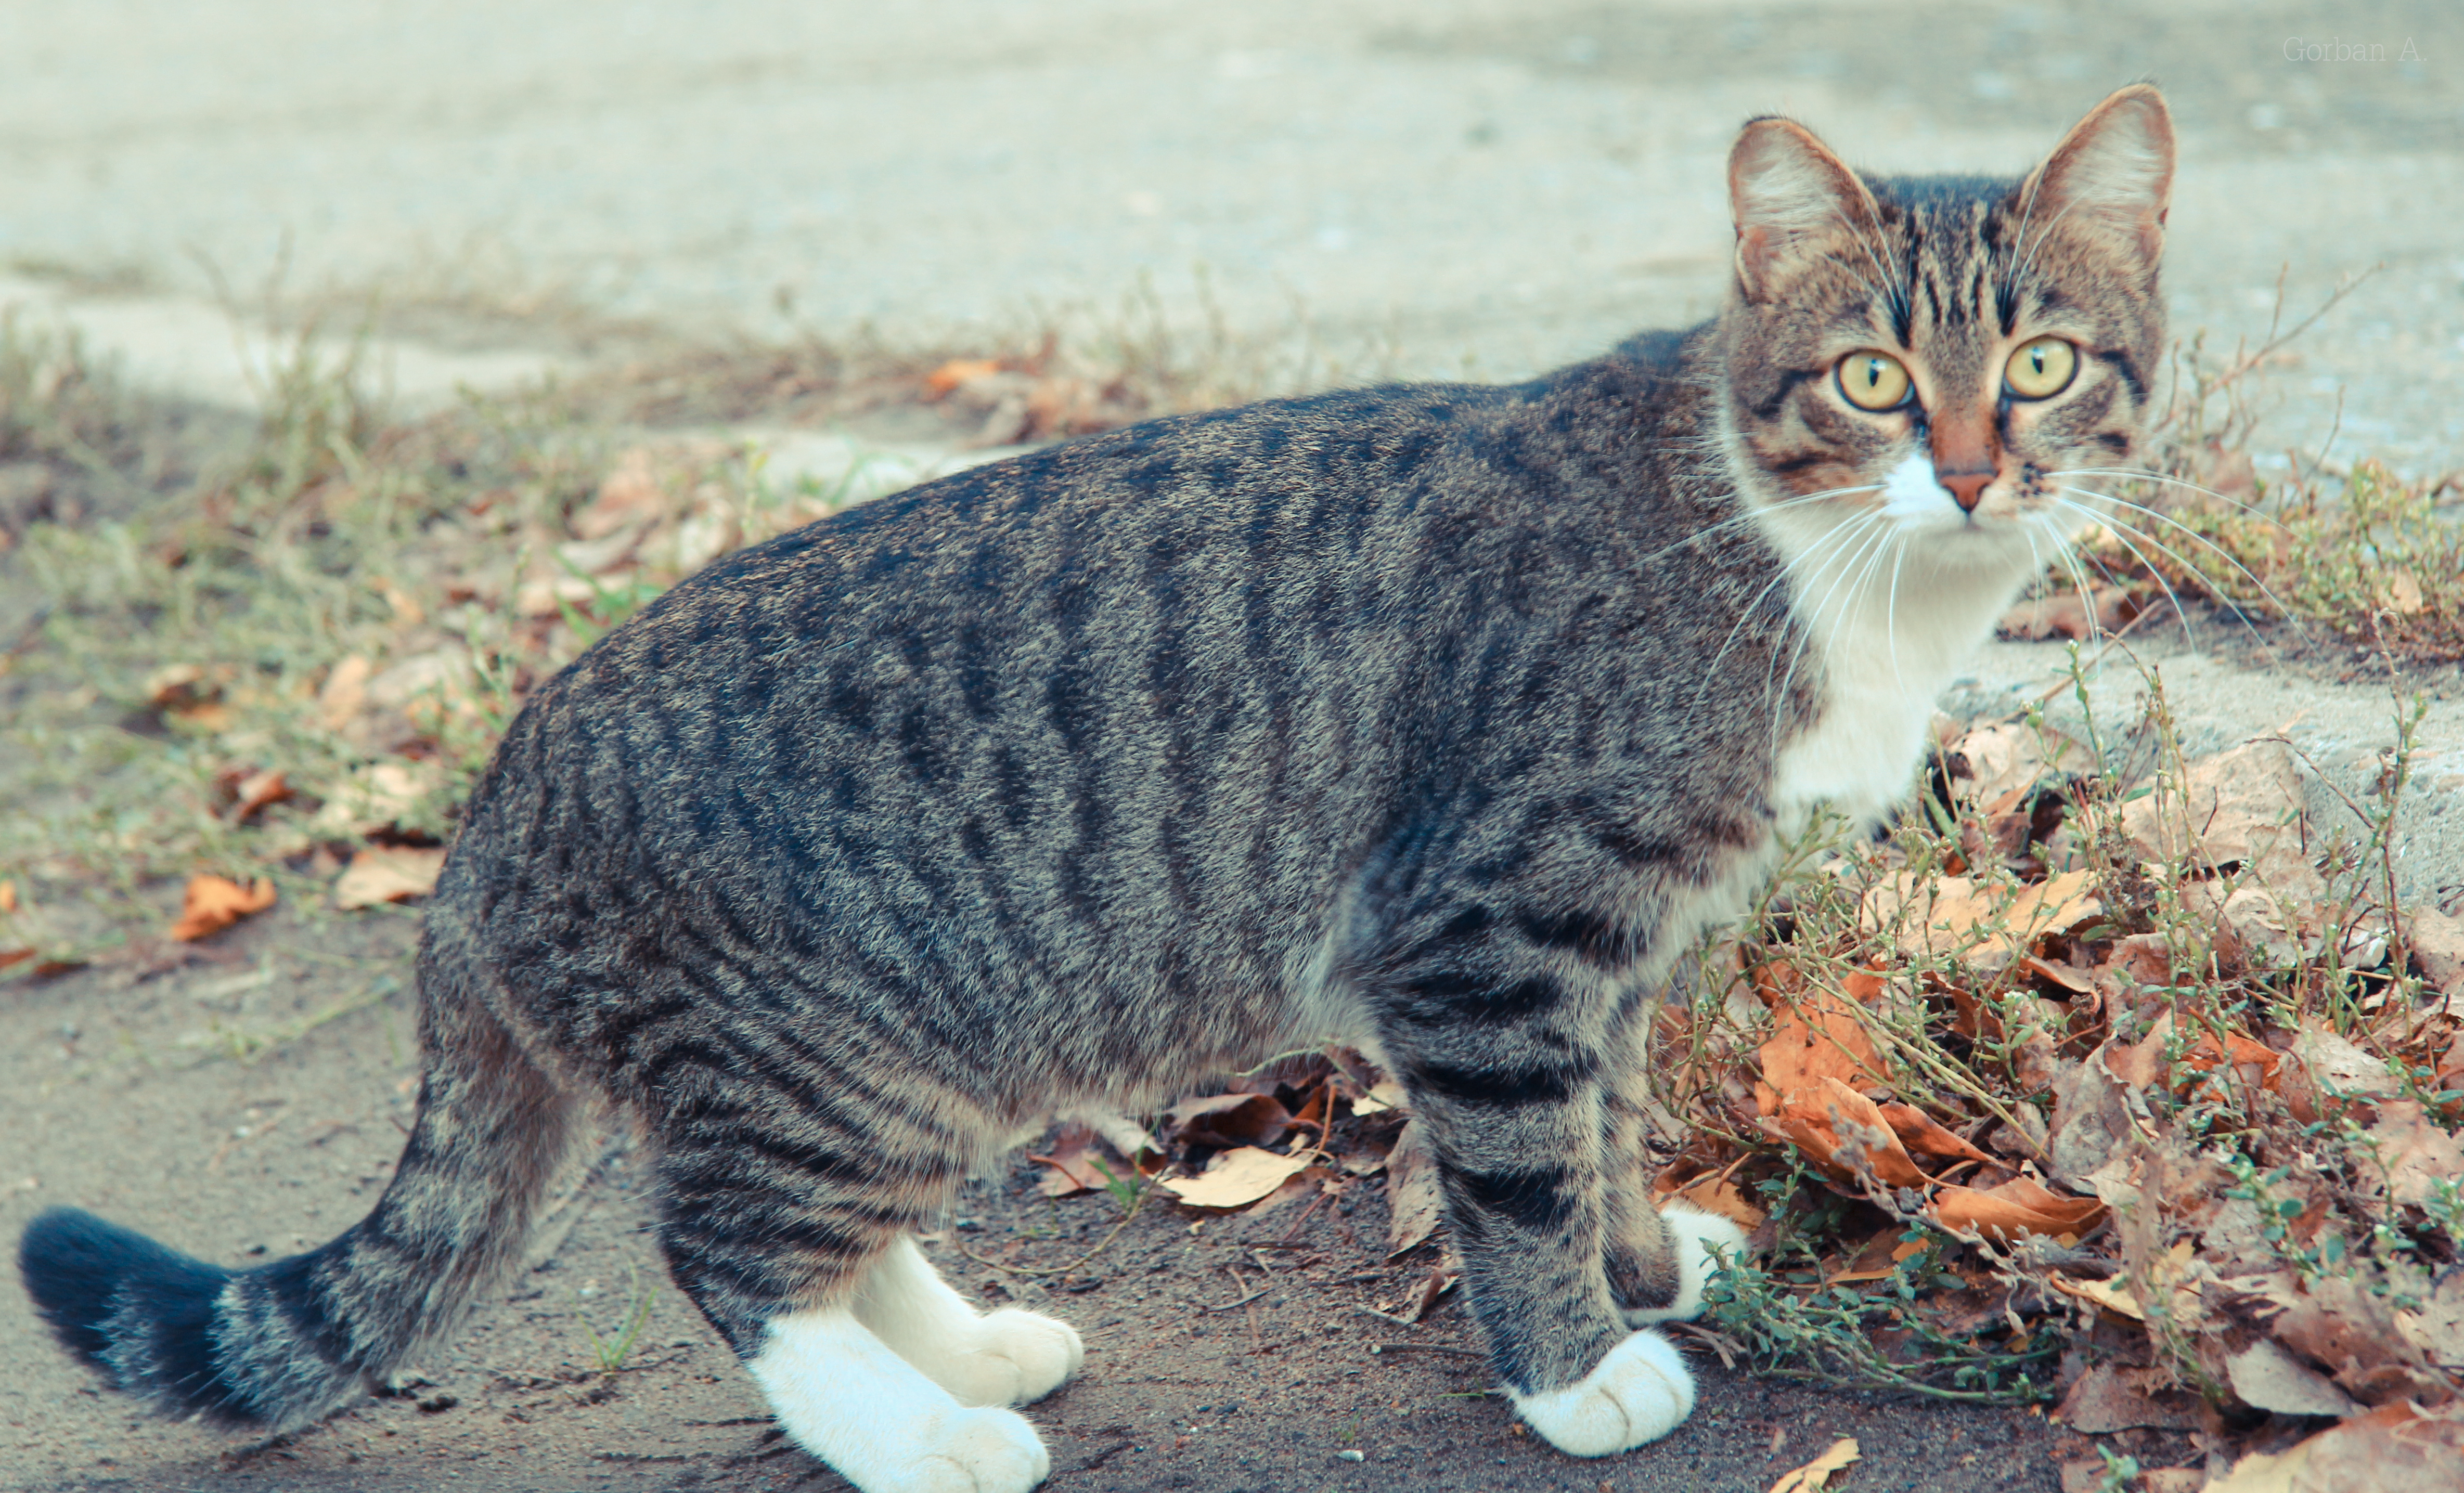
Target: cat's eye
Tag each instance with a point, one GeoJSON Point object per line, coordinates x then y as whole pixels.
{"type": "Point", "coordinates": [1873, 380]}
{"type": "Point", "coordinates": [2041, 368]}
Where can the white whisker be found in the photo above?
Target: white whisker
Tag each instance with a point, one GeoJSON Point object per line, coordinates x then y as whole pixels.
{"type": "Point", "coordinates": [1891, 610]}
{"type": "Point", "coordinates": [2273, 600]}
{"type": "Point", "coordinates": [1829, 541]}
{"type": "Point", "coordinates": [1805, 636]}
{"type": "Point", "coordinates": [2252, 509]}
{"type": "Point", "coordinates": [1749, 515]}
{"type": "Point", "coordinates": [2123, 532]}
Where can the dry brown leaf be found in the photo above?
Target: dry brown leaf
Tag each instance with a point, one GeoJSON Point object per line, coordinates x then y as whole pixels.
{"type": "Point", "coordinates": [2267, 1377]}
{"type": "Point", "coordinates": [1128, 1138]}
{"type": "Point", "coordinates": [2414, 1153]}
{"type": "Point", "coordinates": [2395, 1449]}
{"type": "Point", "coordinates": [257, 792]}
{"type": "Point", "coordinates": [1413, 1203]}
{"type": "Point", "coordinates": [2018, 1206]}
{"type": "Point", "coordinates": [344, 692]}
{"type": "Point", "coordinates": [2004, 759]}
{"type": "Point", "coordinates": [1313, 1181]}
{"type": "Point", "coordinates": [2437, 1328]}
{"type": "Point", "coordinates": [1384, 1095]}
{"type": "Point", "coordinates": [1442, 1277]}
{"type": "Point", "coordinates": [1228, 1120]}
{"type": "Point", "coordinates": [1816, 1476]}
{"type": "Point", "coordinates": [10, 956]}
{"type": "Point", "coordinates": [1071, 1164]}
{"type": "Point", "coordinates": [2336, 1321]}
{"type": "Point", "coordinates": [957, 371]}
{"type": "Point", "coordinates": [2092, 1114]}
{"type": "Point", "coordinates": [388, 873]}
{"type": "Point", "coordinates": [1984, 925]}
{"type": "Point", "coordinates": [1818, 1037]}
{"type": "Point", "coordinates": [1714, 1193]}
{"type": "Point", "coordinates": [1923, 1137]}
{"type": "Point", "coordinates": [2243, 807]}
{"type": "Point", "coordinates": [1237, 1178]}
{"type": "Point", "coordinates": [2437, 944]}
{"type": "Point", "coordinates": [214, 903]}
{"type": "Point", "coordinates": [1874, 1260]}
{"type": "Point", "coordinates": [1843, 1130]}
{"type": "Point", "coordinates": [2254, 1062]}
{"type": "Point", "coordinates": [2078, 982]}
{"type": "Point", "coordinates": [2103, 1293]}
{"type": "Point", "coordinates": [2111, 1398]}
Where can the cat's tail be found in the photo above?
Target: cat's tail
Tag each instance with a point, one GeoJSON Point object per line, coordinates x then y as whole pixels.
{"type": "Point", "coordinates": [288, 1342]}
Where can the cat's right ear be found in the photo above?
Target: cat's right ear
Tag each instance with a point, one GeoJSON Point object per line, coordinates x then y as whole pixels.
{"type": "Point", "coordinates": [1788, 192]}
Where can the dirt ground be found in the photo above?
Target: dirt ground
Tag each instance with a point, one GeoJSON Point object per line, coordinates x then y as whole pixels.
{"type": "Point", "coordinates": [197, 1095]}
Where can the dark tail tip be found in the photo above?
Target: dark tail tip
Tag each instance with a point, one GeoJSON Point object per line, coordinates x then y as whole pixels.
{"type": "Point", "coordinates": [139, 1312]}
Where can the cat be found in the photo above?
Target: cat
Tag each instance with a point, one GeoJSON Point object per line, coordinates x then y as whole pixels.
{"type": "Point", "coordinates": [1446, 714]}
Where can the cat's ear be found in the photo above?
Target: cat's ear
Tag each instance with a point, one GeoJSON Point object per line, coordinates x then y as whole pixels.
{"type": "Point", "coordinates": [2112, 175]}
{"type": "Point", "coordinates": [1788, 192]}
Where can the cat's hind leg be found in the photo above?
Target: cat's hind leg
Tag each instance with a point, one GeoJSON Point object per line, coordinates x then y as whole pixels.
{"type": "Point", "coordinates": [1008, 1357]}
{"type": "Point", "coordinates": [773, 1220]}
{"type": "Point", "coordinates": [843, 1397]}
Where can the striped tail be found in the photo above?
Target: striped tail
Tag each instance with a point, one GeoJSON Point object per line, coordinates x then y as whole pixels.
{"type": "Point", "coordinates": [286, 1343]}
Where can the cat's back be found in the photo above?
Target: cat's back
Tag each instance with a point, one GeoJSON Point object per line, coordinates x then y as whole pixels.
{"type": "Point", "coordinates": [1221, 546]}
{"type": "Point", "coordinates": [1129, 701]}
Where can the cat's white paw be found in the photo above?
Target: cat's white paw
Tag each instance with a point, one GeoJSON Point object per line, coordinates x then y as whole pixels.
{"type": "Point", "coordinates": [877, 1420]}
{"type": "Point", "coordinates": [1640, 1393]}
{"type": "Point", "coordinates": [1702, 1239]}
{"type": "Point", "coordinates": [965, 1450]}
{"type": "Point", "coordinates": [1012, 1357]}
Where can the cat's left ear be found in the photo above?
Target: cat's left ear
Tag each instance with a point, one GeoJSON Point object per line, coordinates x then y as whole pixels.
{"type": "Point", "coordinates": [2112, 175]}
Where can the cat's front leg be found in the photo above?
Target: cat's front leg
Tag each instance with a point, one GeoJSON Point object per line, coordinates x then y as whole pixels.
{"type": "Point", "coordinates": [1518, 1119]}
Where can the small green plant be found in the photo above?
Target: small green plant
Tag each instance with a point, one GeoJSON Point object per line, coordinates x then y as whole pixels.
{"type": "Point", "coordinates": [1875, 1334]}
{"type": "Point", "coordinates": [1127, 1191]}
{"type": "Point", "coordinates": [610, 1353]}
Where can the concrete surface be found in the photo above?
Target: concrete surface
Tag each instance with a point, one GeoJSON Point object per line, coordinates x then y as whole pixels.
{"type": "Point", "coordinates": [1424, 185]}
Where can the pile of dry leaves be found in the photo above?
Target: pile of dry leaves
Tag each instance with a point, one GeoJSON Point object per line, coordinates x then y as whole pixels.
{"type": "Point", "coordinates": [2146, 1068]}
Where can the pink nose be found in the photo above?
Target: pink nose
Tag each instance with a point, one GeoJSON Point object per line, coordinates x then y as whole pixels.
{"type": "Point", "coordinates": [1965, 487]}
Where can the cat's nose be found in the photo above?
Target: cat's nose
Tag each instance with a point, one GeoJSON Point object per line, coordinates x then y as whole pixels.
{"type": "Point", "coordinates": [1965, 487]}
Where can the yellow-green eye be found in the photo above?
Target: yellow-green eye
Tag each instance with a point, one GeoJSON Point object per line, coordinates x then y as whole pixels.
{"type": "Point", "coordinates": [2042, 368]}
{"type": "Point", "coordinates": [1873, 380]}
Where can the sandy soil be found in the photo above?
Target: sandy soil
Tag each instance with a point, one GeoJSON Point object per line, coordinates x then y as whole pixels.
{"type": "Point", "coordinates": [1223, 1353]}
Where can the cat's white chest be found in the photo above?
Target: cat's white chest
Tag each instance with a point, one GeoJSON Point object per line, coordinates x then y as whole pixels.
{"type": "Point", "coordinates": [1885, 661]}
{"type": "Point", "coordinates": [1863, 750]}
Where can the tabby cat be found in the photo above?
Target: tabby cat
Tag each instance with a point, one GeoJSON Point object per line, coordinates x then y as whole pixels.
{"type": "Point", "coordinates": [1446, 715]}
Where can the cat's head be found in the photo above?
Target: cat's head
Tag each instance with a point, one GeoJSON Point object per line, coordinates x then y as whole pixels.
{"type": "Point", "coordinates": [1937, 352]}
